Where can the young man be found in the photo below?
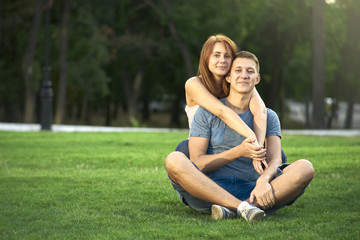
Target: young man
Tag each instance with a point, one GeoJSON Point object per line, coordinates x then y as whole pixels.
{"type": "Point", "coordinates": [220, 178]}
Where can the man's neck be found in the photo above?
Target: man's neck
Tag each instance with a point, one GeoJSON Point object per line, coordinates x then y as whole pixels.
{"type": "Point", "coordinates": [238, 102]}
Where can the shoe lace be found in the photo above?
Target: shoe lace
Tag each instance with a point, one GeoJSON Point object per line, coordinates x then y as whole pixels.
{"type": "Point", "coordinates": [245, 211]}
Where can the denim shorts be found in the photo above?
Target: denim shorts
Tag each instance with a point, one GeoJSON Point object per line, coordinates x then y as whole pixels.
{"type": "Point", "coordinates": [239, 188]}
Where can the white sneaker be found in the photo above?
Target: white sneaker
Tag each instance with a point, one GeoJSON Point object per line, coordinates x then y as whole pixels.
{"type": "Point", "coordinates": [219, 212]}
{"type": "Point", "coordinates": [250, 212]}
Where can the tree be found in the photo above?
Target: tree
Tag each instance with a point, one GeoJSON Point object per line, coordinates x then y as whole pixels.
{"type": "Point", "coordinates": [61, 93]}
{"type": "Point", "coordinates": [87, 80]}
{"type": "Point", "coordinates": [279, 36]}
{"type": "Point", "coordinates": [167, 16]}
{"type": "Point", "coordinates": [0, 21]}
{"type": "Point", "coordinates": [137, 44]}
{"type": "Point", "coordinates": [123, 55]}
{"type": "Point", "coordinates": [318, 76]}
{"type": "Point", "coordinates": [27, 68]}
{"type": "Point", "coordinates": [350, 59]}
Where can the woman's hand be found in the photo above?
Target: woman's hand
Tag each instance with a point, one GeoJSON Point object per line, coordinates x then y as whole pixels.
{"type": "Point", "coordinates": [253, 150]}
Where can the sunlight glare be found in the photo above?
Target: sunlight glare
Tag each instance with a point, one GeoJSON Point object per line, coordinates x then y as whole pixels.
{"type": "Point", "coordinates": [330, 1]}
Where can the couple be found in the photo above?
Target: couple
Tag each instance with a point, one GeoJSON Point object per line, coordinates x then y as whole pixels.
{"type": "Point", "coordinates": [223, 169]}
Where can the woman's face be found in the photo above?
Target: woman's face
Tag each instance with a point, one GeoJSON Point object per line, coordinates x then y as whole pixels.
{"type": "Point", "coordinates": [219, 61]}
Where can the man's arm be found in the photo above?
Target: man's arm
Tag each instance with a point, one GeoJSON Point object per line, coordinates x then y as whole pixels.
{"type": "Point", "coordinates": [262, 192]}
{"type": "Point", "coordinates": [207, 163]}
{"type": "Point", "coordinates": [273, 157]}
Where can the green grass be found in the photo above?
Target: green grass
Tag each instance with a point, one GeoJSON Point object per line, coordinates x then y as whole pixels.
{"type": "Point", "coordinates": [114, 186]}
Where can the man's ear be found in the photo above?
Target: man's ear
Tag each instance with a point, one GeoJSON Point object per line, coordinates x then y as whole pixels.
{"type": "Point", "coordinates": [227, 77]}
{"type": "Point", "coordinates": [257, 79]}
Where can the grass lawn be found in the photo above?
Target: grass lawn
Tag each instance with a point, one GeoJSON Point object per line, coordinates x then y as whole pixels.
{"type": "Point", "coordinates": [114, 186]}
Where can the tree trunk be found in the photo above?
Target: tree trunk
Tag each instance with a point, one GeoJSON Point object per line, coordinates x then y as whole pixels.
{"type": "Point", "coordinates": [318, 75]}
{"type": "Point", "coordinates": [145, 109]}
{"type": "Point", "coordinates": [132, 91]}
{"type": "Point", "coordinates": [84, 104]}
{"type": "Point", "coordinates": [138, 80]}
{"type": "Point", "coordinates": [307, 111]}
{"type": "Point", "coordinates": [350, 60]}
{"type": "Point", "coordinates": [349, 110]}
{"type": "Point", "coordinates": [61, 96]}
{"type": "Point", "coordinates": [30, 86]}
{"type": "Point", "coordinates": [0, 22]}
{"type": "Point", "coordinates": [175, 112]}
{"type": "Point", "coordinates": [108, 111]}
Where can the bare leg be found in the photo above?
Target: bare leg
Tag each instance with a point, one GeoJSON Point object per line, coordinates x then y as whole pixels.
{"type": "Point", "coordinates": [295, 177]}
{"type": "Point", "coordinates": [183, 172]}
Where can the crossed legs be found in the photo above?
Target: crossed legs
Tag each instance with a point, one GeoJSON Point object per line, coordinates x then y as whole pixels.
{"type": "Point", "coordinates": [181, 170]}
{"type": "Point", "coordinates": [286, 187]}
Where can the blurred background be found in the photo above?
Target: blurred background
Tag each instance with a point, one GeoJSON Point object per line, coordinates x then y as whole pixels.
{"type": "Point", "coordinates": [125, 62]}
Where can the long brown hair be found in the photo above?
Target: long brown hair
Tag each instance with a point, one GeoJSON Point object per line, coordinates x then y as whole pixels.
{"type": "Point", "coordinates": [204, 73]}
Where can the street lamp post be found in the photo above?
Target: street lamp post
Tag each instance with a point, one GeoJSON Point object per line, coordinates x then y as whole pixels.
{"type": "Point", "coordinates": [46, 92]}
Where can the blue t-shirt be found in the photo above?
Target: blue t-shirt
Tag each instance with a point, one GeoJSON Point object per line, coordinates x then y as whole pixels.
{"type": "Point", "coordinates": [222, 138]}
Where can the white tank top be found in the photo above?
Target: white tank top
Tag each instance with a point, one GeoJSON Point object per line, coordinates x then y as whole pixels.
{"type": "Point", "coordinates": [190, 112]}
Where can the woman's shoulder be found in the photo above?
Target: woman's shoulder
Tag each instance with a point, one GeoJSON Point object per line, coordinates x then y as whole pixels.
{"type": "Point", "coordinates": [193, 80]}
{"type": "Point", "coordinates": [193, 84]}
{"type": "Point", "coordinates": [190, 89]}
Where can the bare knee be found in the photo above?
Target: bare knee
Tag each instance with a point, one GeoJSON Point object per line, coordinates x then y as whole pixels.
{"type": "Point", "coordinates": [305, 171]}
{"type": "Point", "coordinates": [175, 163]}
{"type": "Point", "coordinates": [308, 168]}
{"type": "Point", "coordinates": [301, 173]}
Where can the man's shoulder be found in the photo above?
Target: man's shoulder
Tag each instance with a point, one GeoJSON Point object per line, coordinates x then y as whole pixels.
{"type": "Point", "coordinates": [271, 113]}
{"type": "Point", "coordinates": [273, 123]}
{"type": "Point", "coordinates": [204, 111]}
{"type": "Point", "coordinates": [205, 119]}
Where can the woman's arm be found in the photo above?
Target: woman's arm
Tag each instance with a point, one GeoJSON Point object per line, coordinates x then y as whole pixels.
{"type": "Point", "coordinates": [197, 94]}
{"type": "Point", "coordinates": [258, 109]}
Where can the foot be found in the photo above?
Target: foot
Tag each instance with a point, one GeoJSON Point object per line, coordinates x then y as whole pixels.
{"type": "Point", "coordinates": [219, 212]}
{"type": "Point", "coordinates": [250, 212]}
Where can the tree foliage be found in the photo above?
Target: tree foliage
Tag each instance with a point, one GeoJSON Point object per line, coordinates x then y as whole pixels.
{"type": "Point", "coordinates": [124, 55]}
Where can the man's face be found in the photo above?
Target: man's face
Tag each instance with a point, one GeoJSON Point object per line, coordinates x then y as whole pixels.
{"type": "Point", "coordinates": [243, 75]}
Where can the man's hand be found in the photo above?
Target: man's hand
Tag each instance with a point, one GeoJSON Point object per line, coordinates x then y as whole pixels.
{"type": "Point", "coordinates": [257, 153]}
{"type": "Point", "coordinates": [263, 195]}
{"type": "Point", "coordinates": [258, 166]}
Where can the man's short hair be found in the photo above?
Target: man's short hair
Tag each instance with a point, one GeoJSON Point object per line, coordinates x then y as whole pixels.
{"type": "Point", "coordinates": [249, 55]}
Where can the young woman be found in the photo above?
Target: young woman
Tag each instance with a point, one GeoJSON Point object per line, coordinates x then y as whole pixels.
{"type": "Point", "coordinates": [207, 87]}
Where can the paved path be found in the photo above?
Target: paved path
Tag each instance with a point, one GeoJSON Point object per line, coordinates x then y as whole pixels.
{"type": "Point", "coordinates": [74, 128]}
{"type": "Point", "coordinates": [19, 127]}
